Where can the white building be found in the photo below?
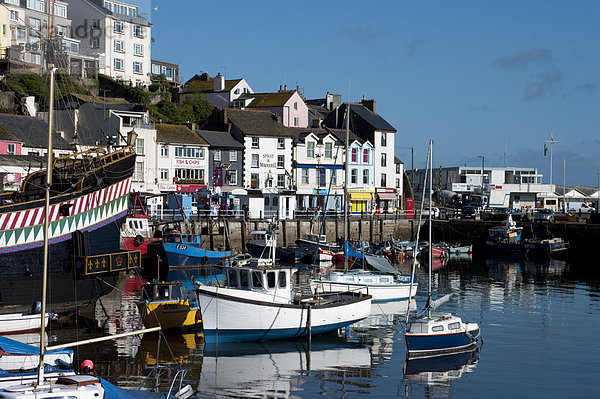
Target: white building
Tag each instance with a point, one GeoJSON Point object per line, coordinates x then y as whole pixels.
{"type": "Point", "coordinates": [287, 104]}
{"type": "Point", "coordinates": [218, 91]}
{"type": "Point", "coordinates": [116, 32]}
{"type": "Point", "coordinates": [181, 159]}
{"type": "Point", "coordinates": [319, 169]}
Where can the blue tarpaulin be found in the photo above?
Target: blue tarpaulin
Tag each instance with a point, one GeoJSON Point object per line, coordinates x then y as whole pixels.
{"type": "Point", "coordinates": [12, 347]}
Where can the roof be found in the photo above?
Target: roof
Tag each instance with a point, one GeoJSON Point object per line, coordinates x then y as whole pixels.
{"type": "Point", "coordinates": [262, 100]}
{"type": "Point", "coordinates": [179, 134]}
{"type": "Point", "coordinates": [361, 118]}
{"type": "Point", "coordinates": [300, 134]}
{"type": "Point", "coordinates": [99, 5]}
{"type": "Point", "coordinates": [220, 139]}
{"type": "Point", "coordinates": [200, 84]}
{"type": "Point", "coordinates": [30, 131]}
{"type": "Point", "coordinates": [398, 160]}
{"type": "Point", "coordinates": [256, 123]}
{"type": "Point", "coordinates": [99, 100]}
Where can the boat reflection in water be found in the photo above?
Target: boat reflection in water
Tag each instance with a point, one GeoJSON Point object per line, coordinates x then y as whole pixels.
{"type": "Point", "coordinates": [268, 369]}
{"type": "Point", "coordinates": [437, 373]}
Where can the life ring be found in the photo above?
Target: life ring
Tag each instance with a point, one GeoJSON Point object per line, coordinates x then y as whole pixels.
{"type": "Point", "coordinates": [138, 240]}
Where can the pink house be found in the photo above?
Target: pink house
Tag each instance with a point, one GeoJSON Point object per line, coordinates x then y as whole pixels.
{"type": "Point", "coordinates": [8, 147]}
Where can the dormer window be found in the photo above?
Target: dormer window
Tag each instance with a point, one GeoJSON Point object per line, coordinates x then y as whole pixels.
{"type": "Point", "coordinates": [310, 149]}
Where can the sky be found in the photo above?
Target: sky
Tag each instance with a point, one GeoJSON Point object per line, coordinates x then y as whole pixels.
{"type": "Point", "coordinates": [490, 78]}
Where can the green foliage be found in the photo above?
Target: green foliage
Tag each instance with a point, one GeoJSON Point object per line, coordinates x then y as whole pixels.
{"type": "Point", "coordinates": [111, 88]}
{"type": "Point", "coordinates": [195, 109]}
{"type": "Point", "coordinates": [154, 87]}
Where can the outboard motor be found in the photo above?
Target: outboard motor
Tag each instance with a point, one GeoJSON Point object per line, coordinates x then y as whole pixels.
{"type": "Point", "coordinates": [36, 308]}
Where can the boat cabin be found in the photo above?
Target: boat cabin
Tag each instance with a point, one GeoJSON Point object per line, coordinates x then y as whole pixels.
{"type": "Point", "coordinates": [445, 324]}
{"type": "Point", "coordinates": [263, 238]}
{"type": "Point", "coordinates": [188, 239]}
{"type": "Point", "coordinates": [275, 281]}
{"type": "Point", "coordinates": [135, 226]}
{"type": "Point", "coordinates": [320, 238]}
{"type": "Point", "coordinates": [164, 291]}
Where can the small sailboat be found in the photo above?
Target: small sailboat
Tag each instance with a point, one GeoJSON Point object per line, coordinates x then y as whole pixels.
{"type": "Point", "coordinates": [433, 335]}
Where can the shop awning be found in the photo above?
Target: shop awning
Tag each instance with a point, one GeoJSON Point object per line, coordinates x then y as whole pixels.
{"type": "Point", "coordinates": [361, 196]}
{"type": "Point", "coordinates": [386, 196]}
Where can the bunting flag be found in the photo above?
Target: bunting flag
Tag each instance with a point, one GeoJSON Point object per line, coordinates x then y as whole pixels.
{"type": "Point", "coordinates": [545, 149]}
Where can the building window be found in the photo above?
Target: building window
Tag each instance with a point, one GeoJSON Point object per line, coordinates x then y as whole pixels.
{"type": "Point", "coordinates": [11, 149]}
{"type": "Point", "coordinates": [333, 177]}
{"type": "Point", "coordinates": [254, 163]}
{"type": "Point", "coordinates": [354, 176]}
{"type": "Point", "coordinates": [95, 24]}
{"type": "Point", "coordinates": [366, 176]}
{"type": "Point", "coordinates": [296, 105]}
{"type": "Point", "coordinates": [354, 155]}
{"type": "Point", "coordinates": [138, 49]}
{"type": "Point", "coordinates": [280, 161]}
{"type": "Point", "coordinates": [267, 202]}
{"type": "Point", "coordinates": [383, 159]}
{"type": "Point", "coordinates": [188, 152]}
{"type": "Point", "coordinates": [139, 171]}
{"type": "Point", "coordinates": [296, 121]}
{"type": "Point", "coordinates": [281, 180]}
{"type": "Point", "coordinates": [201, 153]}
{"type": "Point", "coordinates": [14, 15]}
{"type": "Point", "coordinates": [232, 156]}
{"type": "Point", "coordinates": [139, 146]}
{"type": "Point", "coordinates": [119, 46]}
{"type": "Point", "coordinates": [60, 11]}
{"type": "Point", "coordinates": [383, 139]}
{"type": "Point", "coordinates": [21, 33]}
{"type": "Point", "coordinates": [164, 174]}
{"type": "Point", "coordinates": [383, 180]}
{"type": "Point", "coordinates": [61, 30]}
{"type": "Point", "coordinates": [138, 31]}
{"type": "Point", "coordinates": [280, 142]}
{"type": "Point", "coordinates": [232, 177]}
{"type": "Point", "coordinates": [35, 24]}
{"type": "Point", "coordinates": [304, 176]}
{"type": "Point", "coordinates": [217, 156]}
{"type": "Point", "coordinates": [254, 142]}
{"type": "Point", "coordinates": [14, 2]}
{"type": "Point", "coordinates": [310, 149]}
{"type": "Point", "coordinates": [164, 151]}
{"type": "Point", "coordinates": [397, 183]}
{"type": "Point", "coordinates": [328, 148]}
{"type": "Point", "coordinates": [366, 156]}
{"type": "Point", "coordinates": [137, 67]}
{"type": "Point", "coordinates": [95, 43]}
{"type": "Point", "coordinates": [37, 5]}
{"type": "Point", "coordinates": [118, 64]}
{"type": "Point", "coordinates": [118, 27]}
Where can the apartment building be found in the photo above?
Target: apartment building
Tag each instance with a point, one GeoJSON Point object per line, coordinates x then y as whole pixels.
{"type": "Point", "coordinates": [117, 33]}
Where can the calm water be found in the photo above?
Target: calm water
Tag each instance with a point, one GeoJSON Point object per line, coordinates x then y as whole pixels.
{"type": "Point", "coordinates": [540, 322]}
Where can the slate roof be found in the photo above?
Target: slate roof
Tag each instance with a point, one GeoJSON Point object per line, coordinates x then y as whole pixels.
{"type": "Point", "coordinates": [220, 139]}
{"type": "Point", "coordinates": [361, 118]}
{"type": "Point", "coordinates": [177, 134]}
{"type": "Point", "coordinates": [398, 160]}
{"type": "Point", "coordinates": [207, 86]}
{"type": "Point", "coordinates": [30, 131]}
{"type": "Point", "coordinates": [262, 100]}
{"type": "Point", "coordinates": [256, 123]}
{"type": "Point", "coordinates": [300, 134]}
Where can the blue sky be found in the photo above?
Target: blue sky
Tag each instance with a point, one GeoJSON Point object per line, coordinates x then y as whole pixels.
{"type": "Point", "coordinates": [478, 77]}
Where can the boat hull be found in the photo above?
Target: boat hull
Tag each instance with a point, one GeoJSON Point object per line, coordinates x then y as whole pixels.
{"type": "Point", "coordinates": [19, 356]}
{"type": "Point", "coordinates": [425, 345]}
{"type": "Point", "coordinates": [188, 255]}
{"type": "Point", "coordinates": [229, 317]}
{"type": "Point", "coordinates": [178, 315]}
{"type": "Point", "coordinates": [18, 323]}
{"type": "Point", "coordinates": [379, 292]}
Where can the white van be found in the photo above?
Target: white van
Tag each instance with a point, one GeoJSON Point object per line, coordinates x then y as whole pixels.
{"type": "Point", "coordinates": [581, 207]}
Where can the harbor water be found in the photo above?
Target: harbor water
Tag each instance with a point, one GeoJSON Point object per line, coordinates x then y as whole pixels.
{"type": "Point", "coordinates": [539, 323]}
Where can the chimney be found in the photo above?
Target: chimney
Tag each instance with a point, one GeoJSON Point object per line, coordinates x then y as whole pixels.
{"type": "Point", "coordinates": [370, 104]}
{"type": "Point", "coordinates": [191, 125]}
{"type": "Point", "coordinates": [298, 88]}
{"type": "Point", "coordinates": [205, 77]}
{"type": "Point", "coordinates": [280, 87]}
{"type": "Point", "coordinates": [284, 87]}
{"type": "Point", "coordinates": [219, 81]}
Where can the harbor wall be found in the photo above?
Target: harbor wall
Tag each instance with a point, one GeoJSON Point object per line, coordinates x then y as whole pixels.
{"type": "Point", "coordinates": [582, 237]}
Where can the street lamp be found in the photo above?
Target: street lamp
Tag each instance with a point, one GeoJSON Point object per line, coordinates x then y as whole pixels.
{"type": "Point", "coordinates": [482, 166]}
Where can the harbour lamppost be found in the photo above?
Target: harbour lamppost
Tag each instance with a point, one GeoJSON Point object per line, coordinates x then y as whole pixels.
{"type": "Point", "coordinates": [482, 166]}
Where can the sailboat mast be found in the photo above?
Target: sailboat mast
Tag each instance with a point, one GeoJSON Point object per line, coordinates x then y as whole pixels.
{"type": "Point", "coordinates": [430, 225]}
{"type": "Point", "coordinates": [346, 199]}
{"type": "Point", "coordinates": [46, 225]}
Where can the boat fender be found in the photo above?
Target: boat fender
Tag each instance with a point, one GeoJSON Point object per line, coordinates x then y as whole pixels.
{"type": "Point", "coordinates": [138, 240]}
{"type": "Point", "coordinates": [87, 366]}
{"type": "Point", "coordinates": [205, 260]}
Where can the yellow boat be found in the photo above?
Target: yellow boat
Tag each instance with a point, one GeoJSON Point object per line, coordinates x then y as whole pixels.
{"type": "Point", "coordinates": [163, 305]}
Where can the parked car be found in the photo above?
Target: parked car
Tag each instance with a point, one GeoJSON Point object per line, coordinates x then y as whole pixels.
{"type": "Point", "coordinates": [468, 212]}
{"type": "Point", "coordinates": [434, 210]}
{"type": "Point", "coordinates": [581, 207]}
{"type": "Point", "coordinates": [543, 214]}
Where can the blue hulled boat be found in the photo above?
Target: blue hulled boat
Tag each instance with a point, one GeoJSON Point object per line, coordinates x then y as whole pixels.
{"type": "Point", "coordinates": [184, 250]}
